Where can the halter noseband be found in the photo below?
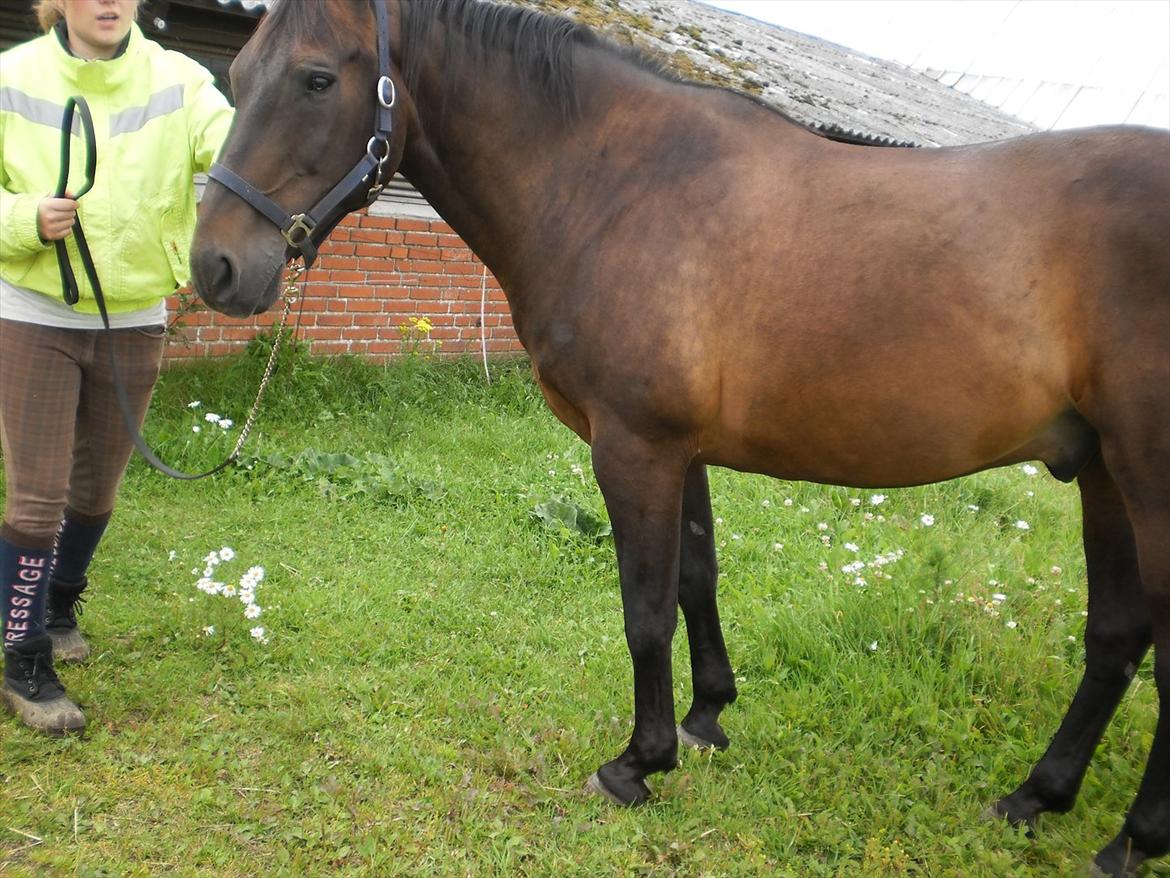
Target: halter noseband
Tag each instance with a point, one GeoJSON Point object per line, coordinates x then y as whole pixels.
{"type": "Point", "coordinates": [304, 232]}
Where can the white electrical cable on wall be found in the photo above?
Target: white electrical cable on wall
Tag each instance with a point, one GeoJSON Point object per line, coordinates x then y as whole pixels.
{"type": "Point", "coordinates": [483, 324]}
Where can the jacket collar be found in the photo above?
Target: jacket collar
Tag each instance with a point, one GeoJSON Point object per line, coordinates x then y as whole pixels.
{"type": "Point", "coordinates": [99, 75]}
{"type": "Point", "coordinates": [62, 32]}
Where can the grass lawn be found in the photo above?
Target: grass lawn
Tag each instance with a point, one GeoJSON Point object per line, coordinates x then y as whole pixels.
{"type": "Point", "coordinates": [443, 664]}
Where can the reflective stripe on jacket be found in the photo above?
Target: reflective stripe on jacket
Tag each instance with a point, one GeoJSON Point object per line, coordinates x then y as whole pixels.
{"type": "Point", "coordinates": [158, 120]}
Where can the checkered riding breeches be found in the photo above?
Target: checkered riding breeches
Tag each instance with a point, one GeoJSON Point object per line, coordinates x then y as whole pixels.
{"type": "Point", "coordinates": [62, 433]}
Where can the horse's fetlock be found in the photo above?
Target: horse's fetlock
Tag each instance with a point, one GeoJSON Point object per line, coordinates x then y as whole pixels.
{"type": "Point", "coordinates": [659, 757]}
{"type": "Point", "coordinates": [1150, 833]}
{"type": "Point", "coordinates": [720, 698]}
{"type": "Point", "coordinates": [716, 688]}
{"type": "Point", "coordinates": [1053, 795]}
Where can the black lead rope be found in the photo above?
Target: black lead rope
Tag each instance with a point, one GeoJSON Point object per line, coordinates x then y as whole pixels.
{"type": "Point", "coordinates": [68, 280]}
{"type": "Point", "coordinates": [72, 293]}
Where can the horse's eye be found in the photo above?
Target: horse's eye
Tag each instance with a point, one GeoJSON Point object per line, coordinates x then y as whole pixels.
{"type": "Point", "coordinates": [319, 82]}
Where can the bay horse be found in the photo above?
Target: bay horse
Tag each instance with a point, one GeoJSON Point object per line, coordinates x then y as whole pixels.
{"type": "Point", "coordinates": [700, 281]}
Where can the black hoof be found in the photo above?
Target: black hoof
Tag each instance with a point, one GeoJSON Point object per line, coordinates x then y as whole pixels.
{"type": "Point", "coordinates": [624, 793]}
{"type": "Point", "coordinates": [709, 740]}
{"type": "Point", "coordinates": [1118, 859]}
{"type": "Point", "coordinates": [1003, 810]}
{"type": "Point", "coordinates": [1096, 871]}
{"type": "Point", "coordinates": [701, 729]}
{"type": "Point", "coordinates": [1024, 807]}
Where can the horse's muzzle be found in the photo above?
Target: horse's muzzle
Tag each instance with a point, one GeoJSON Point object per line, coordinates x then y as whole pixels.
{"type": "Point", "coordinates": [226, 286]}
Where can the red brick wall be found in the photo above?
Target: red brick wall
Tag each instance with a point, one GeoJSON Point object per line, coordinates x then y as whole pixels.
{"type": "Point", "coordinates": [373, 275]}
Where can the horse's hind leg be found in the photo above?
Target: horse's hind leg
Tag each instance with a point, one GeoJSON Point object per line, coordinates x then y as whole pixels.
{"type": "Point", "coordinates": [1117, 635]}
{"type": "Point", "coordinates": [711, 674]}
{"type": "Point", "coordinates": [1140, 470]}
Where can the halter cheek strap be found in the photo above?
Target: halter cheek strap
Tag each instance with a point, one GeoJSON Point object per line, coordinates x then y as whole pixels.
{"type": "Point", "coordinates": [304, 232]}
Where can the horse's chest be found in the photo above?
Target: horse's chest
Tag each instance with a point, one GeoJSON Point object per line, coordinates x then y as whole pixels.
{"type": "Point", "coordinates": [567, 413]}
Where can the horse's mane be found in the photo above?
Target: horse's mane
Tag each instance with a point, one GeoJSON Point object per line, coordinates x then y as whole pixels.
{"type": "Point", "coordinates": [538, 43]}
{"type": "Point", "coordinates": [303, 20]}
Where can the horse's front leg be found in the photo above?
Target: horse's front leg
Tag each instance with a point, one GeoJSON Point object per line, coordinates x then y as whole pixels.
{"type": "Point", "coordinates": [642, 484]}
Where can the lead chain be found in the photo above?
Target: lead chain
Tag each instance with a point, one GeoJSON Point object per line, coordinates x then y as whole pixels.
{"type": "Point", "coordinates": [290, 296]}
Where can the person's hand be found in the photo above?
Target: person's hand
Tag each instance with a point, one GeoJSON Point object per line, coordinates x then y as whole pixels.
{"type": "Point", "coordinates": [55, 218]}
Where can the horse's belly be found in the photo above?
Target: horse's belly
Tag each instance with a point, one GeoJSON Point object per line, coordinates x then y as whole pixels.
{"type": "Point", "coordinates": [899, 444]}
{"type": "Point", "coordinates": [837, 462]}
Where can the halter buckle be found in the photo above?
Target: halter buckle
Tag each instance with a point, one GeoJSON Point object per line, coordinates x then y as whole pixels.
{"type": "Point", "coordinates": [298, 225]}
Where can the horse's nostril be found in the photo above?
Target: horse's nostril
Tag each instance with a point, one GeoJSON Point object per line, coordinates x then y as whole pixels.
{"type": "Point", "coordinates": [215, 274]}
{"type": "Point", "coordinates": [223, 281]}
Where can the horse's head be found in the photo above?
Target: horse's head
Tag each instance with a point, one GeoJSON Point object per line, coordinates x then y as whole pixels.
{"type": "Point", "coordinates": [309, 94]}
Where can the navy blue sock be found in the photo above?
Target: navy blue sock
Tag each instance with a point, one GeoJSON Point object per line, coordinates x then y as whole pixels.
{"type": "Point", "coordinates": [24, 584]}
{"type": "Point", "coordinates": [77, 540]}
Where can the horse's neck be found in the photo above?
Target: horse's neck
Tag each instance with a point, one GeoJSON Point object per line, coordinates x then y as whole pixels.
{"type": "Point", "coordinates": [506, 170]}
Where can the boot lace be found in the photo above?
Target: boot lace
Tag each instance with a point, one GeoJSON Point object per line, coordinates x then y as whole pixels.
{"type": "Point", "coordinates": [64, 608]}
{"type": "Point", "coordinates": [37, 671]}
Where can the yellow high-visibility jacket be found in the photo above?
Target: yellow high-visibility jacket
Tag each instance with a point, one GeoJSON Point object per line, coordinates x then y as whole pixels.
{"type": "Point", "coordinates": [158, 119]}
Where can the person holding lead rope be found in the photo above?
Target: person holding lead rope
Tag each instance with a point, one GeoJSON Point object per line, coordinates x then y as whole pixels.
{"type": "Point", "coordinates": [158, 120]}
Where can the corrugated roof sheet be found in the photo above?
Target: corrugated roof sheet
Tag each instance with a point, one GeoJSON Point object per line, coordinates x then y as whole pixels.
{"type": "Point", "coordinates": [1050, 105]}
{"type": "Point", "coordinates": [1111, 66]}
{"type": "Point", "coordinates": [818, 82]}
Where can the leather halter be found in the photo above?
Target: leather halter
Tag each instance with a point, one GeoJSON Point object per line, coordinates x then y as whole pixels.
{"type": "Point", "coordinates": [305, 232]}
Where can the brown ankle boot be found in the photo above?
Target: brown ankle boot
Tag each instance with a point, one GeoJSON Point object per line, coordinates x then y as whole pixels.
{"type": "Point", "coordinates": [32, 691]}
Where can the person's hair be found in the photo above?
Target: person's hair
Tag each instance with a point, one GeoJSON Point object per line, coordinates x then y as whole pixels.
{"type": "Point", "coordinates": [49, 12]}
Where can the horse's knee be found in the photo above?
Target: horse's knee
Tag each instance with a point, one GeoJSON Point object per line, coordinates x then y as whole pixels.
{"type": "Point", "coordinates": [1114, 647]}
{"type": "Point", "coordinates": [649, 642]}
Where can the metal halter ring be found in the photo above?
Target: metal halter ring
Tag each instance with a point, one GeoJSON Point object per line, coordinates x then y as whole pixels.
{"type": "Point", "coordinates": [298, 225]}
{"type": "Point", "coordinates": [383, 83]}
{"type": "Point", "coordinates": [381, 160]}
